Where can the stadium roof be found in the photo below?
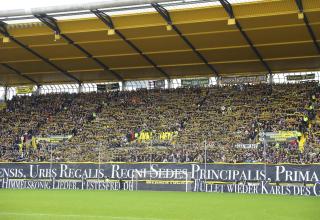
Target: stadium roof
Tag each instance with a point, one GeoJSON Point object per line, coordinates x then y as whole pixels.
{"type": "Point", "coordinates": [265, 37]}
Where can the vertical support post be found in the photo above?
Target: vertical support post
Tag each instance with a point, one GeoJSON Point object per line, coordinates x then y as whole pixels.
{"type": "Point", "coordinates": [218, 81]}
{"type": "Point", "coordinates": [80, 88]}
{"type": "Point", "coordinates": [124, 86]}
{"type": "Point", "coordinates": [186, 173]}
{"type": "Point", "coordinates": [99, 165]}
{"type": "Point", "coordinates": [265, 155]}
{"type": "Point", "coordinates": [5, 93]}
{"type": "Point", "coordinates": [270, 79]}
{"type": "Point", "coordinates": [169, 83]}
{"type": "Point", "coordinates": [38, 91]}
{"type": "Point", "coordinates": [205, 161]}
{"type": "Point", "coordinates": [150, 155]}
{"type": "Point", "coordinates": [51, 161]}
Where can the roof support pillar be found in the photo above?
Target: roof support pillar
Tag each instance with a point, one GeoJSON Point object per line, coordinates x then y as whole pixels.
{"type": "Point", "coordinates": [169, 83]}
{"type": "Point", "coordinates": [124, 86]}
{"type": "Point", "coordinates": [38, 91]}
{"type": "Point", "coordinates": [218, 79]}
{"type": "Point", "coordinates": [271, 79]}
{"type": "Point", "coordinates": [80, 88]}
{"type": "Point", "coordinates": [6, 93]}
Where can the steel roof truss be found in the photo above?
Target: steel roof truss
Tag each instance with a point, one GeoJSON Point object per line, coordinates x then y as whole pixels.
{"type": "Point", "coordinates": [228, 8]}
{"type": "Point", "coordinates": [3, 31]}
{"type": "Point", "coordinates": [166, 15]}
{"type": "Point", "coordinates": [306, 22]}
{"type": "Point", "coordinates": [52, 24]}
{"type": "Point", "coordinates": [108, 21]}
{"type": "Point", "coordinates": [19, 73]}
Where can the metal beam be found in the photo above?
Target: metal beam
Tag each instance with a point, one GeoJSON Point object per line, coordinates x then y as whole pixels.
{"type": "Point", "coordinates": [306, 22]}
{"type": "Point", "coordinates": [19, 73]}
{"type": "Point", "coordinates": [228, 8]}
{"type": "Point", "coordinates": [231, 62]}
{"type": "Point", "coordinates": [4, 31]}
{"type": "Point", "coordinates": [166, 16]}
{"type": "Point", "coordinates": [108, 21]}
{"type": "Point", "coordinates": [52, 24]}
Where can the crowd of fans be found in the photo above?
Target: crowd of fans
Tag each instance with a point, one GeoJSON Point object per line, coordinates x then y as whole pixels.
{"type": "Point", "coordinates": [216, 124]}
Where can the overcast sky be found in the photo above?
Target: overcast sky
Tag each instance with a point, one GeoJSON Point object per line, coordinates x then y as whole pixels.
{"type": "Point", "coordinates": [18, 4]}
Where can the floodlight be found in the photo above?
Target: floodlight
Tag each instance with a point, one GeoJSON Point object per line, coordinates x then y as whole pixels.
{"type": "Point", "coordinates": [111, 32]}
{"type": "Point", "coordinates": [231, 21]}
{"type": "Point", "coordinates": [5, 39]}
{"type": "Point", "coordinates": [57, 37]}
{"type": "Point", "coordinates": [300, 15]}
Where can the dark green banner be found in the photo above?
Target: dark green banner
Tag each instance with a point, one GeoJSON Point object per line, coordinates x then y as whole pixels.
{"type": "Point", "coordinates": [301, 77]}
{"type": "Point", "coordinates": [195, 82]}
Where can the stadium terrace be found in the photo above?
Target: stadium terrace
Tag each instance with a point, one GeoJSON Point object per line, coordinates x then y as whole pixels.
{"type": "Point", "coordinates": [104, 104]}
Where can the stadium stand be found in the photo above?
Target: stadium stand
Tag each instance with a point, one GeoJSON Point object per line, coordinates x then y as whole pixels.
{"type": "Point", "coordinates": [165, 125]}
{"type": "Point", "coordinates": [170, 41]}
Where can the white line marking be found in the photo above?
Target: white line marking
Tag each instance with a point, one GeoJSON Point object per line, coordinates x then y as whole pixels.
{"type": "Point", "coordinates": [75, 216]}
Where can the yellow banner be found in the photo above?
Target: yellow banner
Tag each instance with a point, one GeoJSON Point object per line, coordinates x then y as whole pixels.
{"type": "Point", "coordinates": [282, 136]}
{"type": "Point", "coordinates": [24, 89]}
{"type": "Point", "coordinates": [54, 139]}
{"type": "Point", "coordinates": [164, 136]}
{"type": "Point", "coordinates": [3, 105]}
{"type": "Point", "coordinates": [168, 135]}
{"type": "Point", "coordinates": [145, 136]}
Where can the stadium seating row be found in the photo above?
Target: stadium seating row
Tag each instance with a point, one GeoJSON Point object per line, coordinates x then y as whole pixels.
{"type": "Point", "coordinates": [219, 124]}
